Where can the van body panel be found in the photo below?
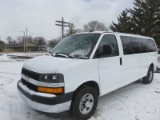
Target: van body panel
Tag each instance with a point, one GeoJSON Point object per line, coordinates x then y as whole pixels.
{"type": "Point", "coordinates": [134, 66]}
{"type": "Point", "coordinates": [78, 73]}
{"type": "Point", "coordinates": [46, 64]}
{"type": "Point", "coordinates": [110, 72]}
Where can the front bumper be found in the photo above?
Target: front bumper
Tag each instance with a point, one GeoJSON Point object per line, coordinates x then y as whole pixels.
{"type": "Point", "coordinates": [44, 102]}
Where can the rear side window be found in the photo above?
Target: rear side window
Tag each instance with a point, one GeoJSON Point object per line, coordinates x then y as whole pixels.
{"type": "Point", "coordinates": [148, 45]}
{"type": "Point", "coordinates": [127, 45]}
{"type": "Point", "coordinates": [135, 45]}
{"type": "Point", "coordinates": [109, 40]}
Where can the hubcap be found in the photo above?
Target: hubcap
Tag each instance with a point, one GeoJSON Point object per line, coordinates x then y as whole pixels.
{"type": "Point", "coordinates": [86, 104]}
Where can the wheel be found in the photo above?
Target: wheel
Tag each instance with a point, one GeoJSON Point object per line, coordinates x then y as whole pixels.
{"type": "Point", "coordinates": [149, 77]}
{"type": "Point", "coordinates": [84, 103]}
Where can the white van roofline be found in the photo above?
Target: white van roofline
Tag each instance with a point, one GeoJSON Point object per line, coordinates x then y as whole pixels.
{"type": "Point", "coordinates": [118, 33]}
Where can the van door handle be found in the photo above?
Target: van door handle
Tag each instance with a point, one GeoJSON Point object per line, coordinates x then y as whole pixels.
{"type": "Point", "coordinates": [120, 61]}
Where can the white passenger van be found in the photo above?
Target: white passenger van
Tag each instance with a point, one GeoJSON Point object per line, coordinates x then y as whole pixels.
{"type": "Point", "coordinates": [83, 67]}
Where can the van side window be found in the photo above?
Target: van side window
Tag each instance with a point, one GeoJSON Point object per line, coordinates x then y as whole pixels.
{"type": "Point", "coordinates": [135, 45]}
{"type": "Point", "coordinates": [108, 47]}
{"type": "Point", "coordinates": [149, 45]}
{"type": "Point", "coordinates": [127, 45]}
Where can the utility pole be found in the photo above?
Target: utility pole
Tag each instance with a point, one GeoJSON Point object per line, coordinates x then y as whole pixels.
{"type": "Point", "coordinates": [62, 24]}
{"type": "Point", "coordinates": [24, 40]}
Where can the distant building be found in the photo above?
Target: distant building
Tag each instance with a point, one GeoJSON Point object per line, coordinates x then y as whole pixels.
{"type": "Point", "coordinates": [19, 47]}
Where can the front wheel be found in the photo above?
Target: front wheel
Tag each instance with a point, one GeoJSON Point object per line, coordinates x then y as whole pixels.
{"type": "Point", "coordinates": [149, 77]}
{"type": "Point", "coordinates": [84, 103]}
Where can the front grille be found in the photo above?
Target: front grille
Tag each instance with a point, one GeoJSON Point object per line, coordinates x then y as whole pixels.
{"type": "Point", "coordinates": [29, 85]}
{"type": "Point", "coordinates": [31, 74]}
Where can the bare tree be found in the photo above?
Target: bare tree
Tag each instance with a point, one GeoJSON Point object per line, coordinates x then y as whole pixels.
{"type": "Point", "coordinates": [95, 26]}
{"type": "Point", "coordinates": [30, 39]}
{"type": "Point", "coordinates": [9, 39]}
{"type": "Point", "coordinates": [79, 30]}
{"type": "Point", "coordinates": [54, 42]}
{"type": "Point", "coordinates": [40, 40]}
{"type": "Point", "coordinates": [58, 39]}
{"type": "Point", "coordinates": [19, 39]}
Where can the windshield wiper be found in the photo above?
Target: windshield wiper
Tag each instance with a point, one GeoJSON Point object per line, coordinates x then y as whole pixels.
{"type": "Point", "coordinates": [78, 56]}
{"type": "Point", "coordinates": [62, 54]}
{"type": "Point", "coordinates": [66, 55]}
{"type": "Point", "coordinates": [51, 53]}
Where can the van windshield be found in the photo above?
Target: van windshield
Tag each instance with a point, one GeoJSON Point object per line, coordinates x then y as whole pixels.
{"type": "Point", "coordinates": [76, 46]}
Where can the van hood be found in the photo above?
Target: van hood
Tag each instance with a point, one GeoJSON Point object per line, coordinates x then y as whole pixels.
{"type": "Point", "coordinates": [46, 64]}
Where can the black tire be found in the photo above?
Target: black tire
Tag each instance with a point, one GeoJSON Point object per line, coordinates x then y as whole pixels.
{"type": "Point", "coordinates": [84, 103]}
{"type": "Point", "coordinates": [149, 77]}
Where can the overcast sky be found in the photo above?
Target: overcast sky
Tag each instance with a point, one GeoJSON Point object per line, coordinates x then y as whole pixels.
{"type": "Point", "coordinates": [39, 16]}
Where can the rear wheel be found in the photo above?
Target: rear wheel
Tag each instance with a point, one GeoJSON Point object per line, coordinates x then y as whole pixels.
{"type": "Point", "coordinates": [84, 103]}
{"type": "Point", "coordinates": [149, 77]}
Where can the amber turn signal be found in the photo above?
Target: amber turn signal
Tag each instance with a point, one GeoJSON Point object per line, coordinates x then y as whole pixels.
{"type": "Point", "coordinates": [50, 90]}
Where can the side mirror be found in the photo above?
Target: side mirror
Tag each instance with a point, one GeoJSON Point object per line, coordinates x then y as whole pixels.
{"type": "Point", "coordinates": [107, 50]}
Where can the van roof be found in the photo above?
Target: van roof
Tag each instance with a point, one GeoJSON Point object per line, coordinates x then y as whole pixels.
{"type": "Point", "coordinates": [119, 33]}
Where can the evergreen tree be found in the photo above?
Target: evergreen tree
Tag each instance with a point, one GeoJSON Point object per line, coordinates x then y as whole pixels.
{"type": "Point", "coordinates": [124, 23]}
{"type": "Point", "coordinates": [144, 19]}
{"type": "Point", "coordinates": [71, 30]}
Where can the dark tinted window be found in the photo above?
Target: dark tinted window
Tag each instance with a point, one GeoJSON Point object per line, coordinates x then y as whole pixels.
{"type": "Point", "coordinates": [133, 45]}
{"type": "Point", "coordinates": [136, 45]}
{"type": "Point", "coordinates": [108, 40]}
{"type": "Point", "coordinates": [127, 45]}
{"type": "Point", "coordinates": [148, 45]}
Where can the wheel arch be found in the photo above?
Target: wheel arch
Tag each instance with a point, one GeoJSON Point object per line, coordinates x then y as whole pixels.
{"type": "Point", "coordinates": [89, 83]}
{"type": "Point", "coordinates": [152, 66]}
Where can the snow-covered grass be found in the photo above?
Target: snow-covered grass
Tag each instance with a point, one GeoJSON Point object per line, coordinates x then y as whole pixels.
{"type": "Point", "coordinates": [159, 61]}
{"type": "Point", "coordinates": [28, 54]}
{"type": "Point", "coordinates": [4, 57]}
{"type": "Point", "coordinates": [133, 102]}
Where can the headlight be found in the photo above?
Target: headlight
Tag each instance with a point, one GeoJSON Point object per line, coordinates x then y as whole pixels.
{"type": "Point", "coordinates": [52, 78]}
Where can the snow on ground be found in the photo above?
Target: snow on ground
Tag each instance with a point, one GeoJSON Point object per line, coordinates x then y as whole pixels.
{"type": "Point", "coordinates": [133, 102]}
{"type": "Point", "coordinates": [4, 57]}
{"type": "Point", "coordinates": [29, 54]}
{"type": "Point", "coordinates": [159, 61]}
